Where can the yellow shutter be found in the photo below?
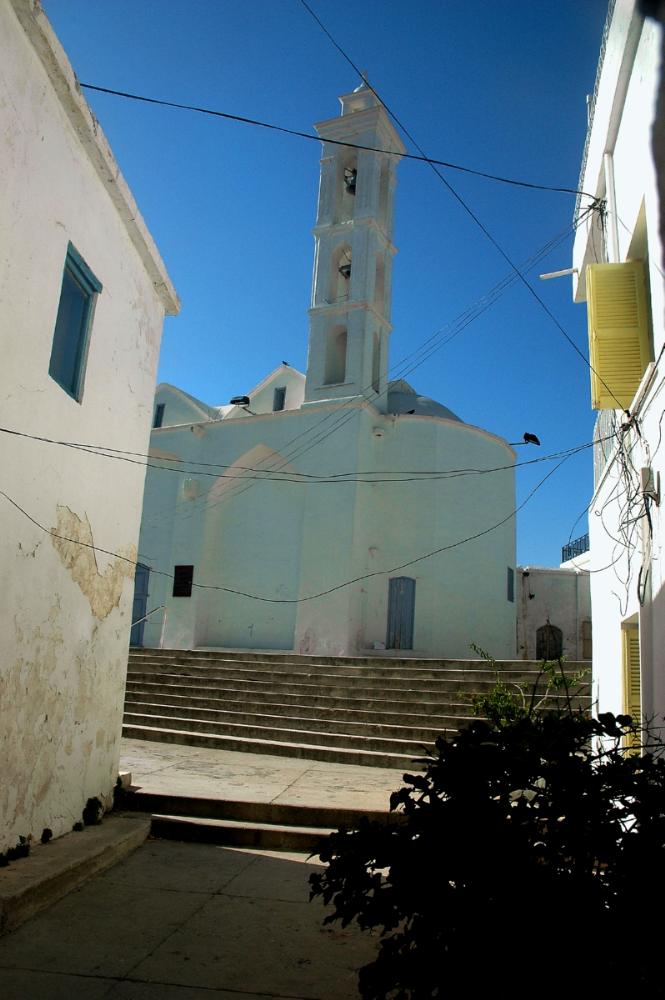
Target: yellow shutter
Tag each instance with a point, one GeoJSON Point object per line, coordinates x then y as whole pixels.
{"type": "Point", "coordinates": [632, 694]}
{"type": "Point", "coordinates": [619, 341]}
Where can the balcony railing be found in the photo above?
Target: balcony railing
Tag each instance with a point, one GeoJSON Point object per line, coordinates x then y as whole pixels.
{"type": "Point", "coordinates": [591, 102]}
{"type": "Point", "coordinates": [575, 548]}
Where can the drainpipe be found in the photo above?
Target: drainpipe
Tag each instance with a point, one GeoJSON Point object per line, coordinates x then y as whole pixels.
{"type": "Point", "coordinates": [612, 218]}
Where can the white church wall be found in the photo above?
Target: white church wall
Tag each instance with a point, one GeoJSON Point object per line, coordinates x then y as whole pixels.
{"type": "Point", "coordinates": [179, 407]}
{"type": "Point", "coordinates": [286, 540]}
{"type": "Point", "coordinates": [245, 534]}
{"type": "Point", "coordinates": [262, 396]}
{"type": "Point", "coordinates": [559, 596]}
{"type": "Point", "coordinates": [333, 546]}
{"type": "Point", "coordinates": [461, 593]}
{"type": "Point", "coordinates": [66, 608]}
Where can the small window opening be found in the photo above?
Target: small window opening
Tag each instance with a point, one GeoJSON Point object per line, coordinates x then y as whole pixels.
{"type": "Point", "coordinates": [183, 577]}
{"type": "Point", "coordinates": [279, 398]}
{"type": "Point", "coordinates": [376, 363]}
{"type": "Point", "coordinates": [384, 190]}
{"type": "Point", "coordinates": [380, 285]}
{"type": "Point", "coordinates": [69, 351]}
{"type": "Point", "coordinates": [159, 415]}
{"type": "Point", "coordinates": [510, 581]}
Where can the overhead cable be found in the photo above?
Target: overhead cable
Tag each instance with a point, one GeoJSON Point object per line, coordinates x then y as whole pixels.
{"type": "Point", "coordinates": [467, 208]}
{"type": "Point", "coordinates": [242, 119]}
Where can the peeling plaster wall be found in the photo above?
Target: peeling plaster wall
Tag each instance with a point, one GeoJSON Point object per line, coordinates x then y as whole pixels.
{"type": "Point", "coordinates": [66, 606]}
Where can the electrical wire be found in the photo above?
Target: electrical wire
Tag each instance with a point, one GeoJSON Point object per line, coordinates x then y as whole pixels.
{"type": "Point", "coordinates": [341, 414]}
{"type": "Point", "coordinates": [467, 208]}
{"type": "Point", "coordinates": [241, 119]}
{"type": "Point", "coordinates": [304, 479]}
{"type": "Point", "coordinates": [310, 597]}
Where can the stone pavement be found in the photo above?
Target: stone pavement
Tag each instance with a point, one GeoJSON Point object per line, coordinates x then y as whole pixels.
{"type": "Point", "coordinates": [251, 777]}
{"type": "Point", "coordinates": [181, 921]}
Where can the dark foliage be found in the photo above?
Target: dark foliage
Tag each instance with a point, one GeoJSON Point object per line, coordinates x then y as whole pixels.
{"type": "Point", "coordinates": [93, 812]}
{"type": "Point", "coordinates": [21, 850]}
{"type": "Point", "coordinates": [530, 848]}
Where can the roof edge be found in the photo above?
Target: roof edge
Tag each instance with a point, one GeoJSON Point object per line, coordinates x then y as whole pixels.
{"type": "Point", "coordinates": [59, 70]}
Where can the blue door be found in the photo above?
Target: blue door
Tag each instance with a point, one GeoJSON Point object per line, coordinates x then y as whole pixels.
{"type": "Point", "coordinates": [140, 605]}
{"type": "Point", "coordinates": [401, 611]}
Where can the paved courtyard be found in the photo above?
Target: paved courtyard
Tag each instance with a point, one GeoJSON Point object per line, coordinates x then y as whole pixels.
{"type": "Point", "coordinates": [186, 921]}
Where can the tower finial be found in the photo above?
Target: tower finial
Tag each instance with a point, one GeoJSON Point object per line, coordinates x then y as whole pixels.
{"type": "Point", "coordinates": [364, 81]}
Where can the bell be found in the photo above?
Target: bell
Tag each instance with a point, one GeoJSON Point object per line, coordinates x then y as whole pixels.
{"type": "Point", "coordinates": [345, 270]}
{"type": "Point", "coordinates": [350, 175]}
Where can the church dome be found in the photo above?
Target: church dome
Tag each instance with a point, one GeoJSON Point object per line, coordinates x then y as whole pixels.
{"type": "Point", "coordinates": [403, 398]}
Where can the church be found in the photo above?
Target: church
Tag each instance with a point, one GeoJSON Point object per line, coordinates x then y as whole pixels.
{"type": "Point", "coordinates": [335, 512]}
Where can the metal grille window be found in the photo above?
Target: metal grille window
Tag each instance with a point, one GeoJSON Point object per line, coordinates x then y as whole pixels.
{"type": "Point", "coordinates": [72, 326]}
{"type": "Point", "coordinates": [183, 577]}
{"type": "Point", "coordinates": [159, 415]}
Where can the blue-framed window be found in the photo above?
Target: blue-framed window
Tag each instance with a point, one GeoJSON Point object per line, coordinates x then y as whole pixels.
{"type": "Point", "coordinates": [69, 352]}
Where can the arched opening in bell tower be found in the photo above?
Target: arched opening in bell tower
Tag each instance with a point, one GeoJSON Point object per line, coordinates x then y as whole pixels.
{"type": "Point", "coordinates": [345, 194]}
{"type": "Point", "coordinates": [335, 367]}
{"type": "Point", "coordinates": [340, 274]}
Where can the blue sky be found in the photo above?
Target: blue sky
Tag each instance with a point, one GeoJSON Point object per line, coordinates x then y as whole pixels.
{"type": "Point", "coordinates": [498, 86]}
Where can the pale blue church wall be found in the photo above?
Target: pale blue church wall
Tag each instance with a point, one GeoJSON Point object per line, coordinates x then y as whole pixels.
{"type": "Point", "coordinates": [461, 593]}
{"type": "Point", "coordinates": [267, 538]}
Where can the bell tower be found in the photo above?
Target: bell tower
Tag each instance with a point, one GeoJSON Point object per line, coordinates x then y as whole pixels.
{"type": "Point", "coordinates": [350, 308]}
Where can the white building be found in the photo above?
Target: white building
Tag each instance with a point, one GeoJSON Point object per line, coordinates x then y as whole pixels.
{"type": "Point", "coordinates": [83, 294]}
{"type": "Point", "coordinates": [308, 517]}
{"type": "Point", "coordinates": [619, 275]}
{"type": "Point", "coordinates": [553, 613]}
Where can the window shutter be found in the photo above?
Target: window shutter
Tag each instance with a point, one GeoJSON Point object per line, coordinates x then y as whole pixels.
{"type": "Point", "coordinates": [619, 341]}
{"type": "Point", "coordinates": [632, 693]}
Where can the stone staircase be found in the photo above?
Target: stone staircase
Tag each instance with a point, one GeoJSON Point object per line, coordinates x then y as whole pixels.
{"type": "Point", "coordinates": [355, 710]}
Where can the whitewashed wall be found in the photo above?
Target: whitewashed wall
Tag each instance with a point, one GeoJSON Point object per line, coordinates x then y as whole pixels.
{"type": "Point", "coordinates": [560, 596]}
{"type": "Point", "coordinates": [65, 610]}
{"type": "Point", "coordinates": [626, 563]}
{"type": "Point", "coordinates": [286, 541]}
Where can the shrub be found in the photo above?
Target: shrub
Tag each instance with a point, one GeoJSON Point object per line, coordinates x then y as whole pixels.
{"type": "Point", "coordinates": [531, 858]}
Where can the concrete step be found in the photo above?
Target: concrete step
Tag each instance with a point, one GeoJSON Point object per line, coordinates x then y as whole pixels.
{"type": "Point", "coordinates": [398, 675]}
{"type": "Point", "coordinates": [267, 837]}
{"type": "Point", "coordinates": [52, 870]}
{"type": "Point", "coordinates": [427, 692]}
{"type": "Point", "coordinates": [239, 705]}
{"type": "Point", "coordinates": [283, 734]}
{"type": "Point", "coordinates": [266, 825]}
{"type": "Point", "coordinates": [266, 720]}
{"type": "Point", "coordinates": [339, 755]}
{"type": "Point", "coordinates": [383, 711]}
{"type": "Point", "coordinates": [371, 698]}
{"type": "Point", "coordinates": [281, 813]}
{"type": "Point", "coordinates": [378, 660]}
